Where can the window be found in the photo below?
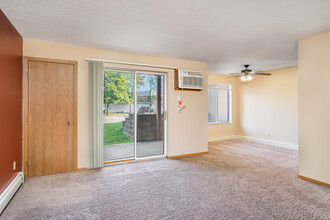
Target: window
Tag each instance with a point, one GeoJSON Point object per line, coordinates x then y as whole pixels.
{"type": "Point", "coordinates": [219, 103]}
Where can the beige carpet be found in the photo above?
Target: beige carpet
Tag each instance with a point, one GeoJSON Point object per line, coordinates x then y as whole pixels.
{"type": "Point", "coordinates": [236, 180]}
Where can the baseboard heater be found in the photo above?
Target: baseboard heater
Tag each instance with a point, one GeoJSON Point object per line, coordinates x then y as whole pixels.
{"type": "Point", "coordinates": [10, 190]}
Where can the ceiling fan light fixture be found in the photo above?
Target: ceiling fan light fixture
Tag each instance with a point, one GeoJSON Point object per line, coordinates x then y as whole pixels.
{"type": "Point", "coordinates": [246, 78]}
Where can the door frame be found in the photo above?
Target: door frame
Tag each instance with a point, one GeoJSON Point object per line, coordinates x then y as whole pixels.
{"type": "Point", "coordinates": [26, 110]}
{"type": "Point", "coordinates": [150, 72]}
{"type": "Point", "coordinates": [165, 117]}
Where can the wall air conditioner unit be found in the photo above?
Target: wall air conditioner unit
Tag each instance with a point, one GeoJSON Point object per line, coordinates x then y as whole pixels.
{"type": "Point", "coordinates": [188, 79]}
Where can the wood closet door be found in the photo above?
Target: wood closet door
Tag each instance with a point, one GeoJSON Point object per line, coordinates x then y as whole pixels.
{"type": "Point", "coordinates": [50, 117]}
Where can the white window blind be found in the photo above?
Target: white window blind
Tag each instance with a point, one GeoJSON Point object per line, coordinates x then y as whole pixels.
{"type": "Point", "coordinates": [219, 103]}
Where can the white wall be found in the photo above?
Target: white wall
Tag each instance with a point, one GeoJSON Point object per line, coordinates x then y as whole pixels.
{"type": "Point", "coordinates": [187, 132]}
{"type": "Point", "coordinates": [269, 107]}
{"type": "Point", "coordinates": [314, 106]}
{"type": "Point", "coordinates": [266, 108]}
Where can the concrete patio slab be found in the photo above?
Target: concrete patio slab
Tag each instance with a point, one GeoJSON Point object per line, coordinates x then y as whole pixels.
{"type": "Point", "coordinates": [123, 151]}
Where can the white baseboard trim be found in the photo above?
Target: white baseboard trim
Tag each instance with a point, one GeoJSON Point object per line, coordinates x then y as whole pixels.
{"type": "Point", "coordinates": [10, 190]}
{"type": "Point", "coordinates": [259, 140]}
{"type": "Point", "coordinates": [223, 138]}
{"type": "Point", "coordinates": [270, 142]}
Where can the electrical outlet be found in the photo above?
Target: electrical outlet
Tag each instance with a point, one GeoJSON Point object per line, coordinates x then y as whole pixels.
{"type": "Point", "coordinates": [185, 141]}
{"type": "Point", "coordinates": [14, 165]}
{"type": "Point", "coordinates": [268, 133]}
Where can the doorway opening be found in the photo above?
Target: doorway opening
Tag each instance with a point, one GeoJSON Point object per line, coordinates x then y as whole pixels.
{"type": "Point", "coordinates": [134, 115]}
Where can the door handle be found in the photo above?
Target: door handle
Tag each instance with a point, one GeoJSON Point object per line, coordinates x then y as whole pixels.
{"type": "Point", "coordinates": [69, 123]}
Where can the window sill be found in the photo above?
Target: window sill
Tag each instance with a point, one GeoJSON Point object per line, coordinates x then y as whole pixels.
{"type": "Point", "coordinates": [220, 123]}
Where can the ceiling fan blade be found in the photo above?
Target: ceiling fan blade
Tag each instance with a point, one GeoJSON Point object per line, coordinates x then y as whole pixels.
{"type": "Point", "coordinates": [262, 74]}
{"type": "Point", "coordinates": [235, 74]}
{"type": "Point", "coordinates": [231, 76]}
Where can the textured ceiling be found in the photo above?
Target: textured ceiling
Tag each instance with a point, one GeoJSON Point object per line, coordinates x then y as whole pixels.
{"type": "Point", "coordinates": [224, 33]}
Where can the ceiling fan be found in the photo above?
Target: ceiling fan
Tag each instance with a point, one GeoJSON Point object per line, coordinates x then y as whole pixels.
{"type": "Point", "coordinates": [247, 74]}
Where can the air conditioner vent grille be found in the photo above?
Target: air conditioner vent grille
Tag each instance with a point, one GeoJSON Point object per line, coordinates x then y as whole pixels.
{"type": "Point", "coordinates": [190, 79]}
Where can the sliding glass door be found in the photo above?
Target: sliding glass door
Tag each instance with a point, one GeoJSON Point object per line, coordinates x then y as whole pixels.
{"type": "Point", "coordinates": [119, 115]}
{"type": "Point", "coordinates": [150, 115]}
{"type": "Point", "coordinates": [133, 131]}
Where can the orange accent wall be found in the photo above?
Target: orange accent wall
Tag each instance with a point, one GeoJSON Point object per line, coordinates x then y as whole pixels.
{"type": "Point", "coordinates": [11, 53]}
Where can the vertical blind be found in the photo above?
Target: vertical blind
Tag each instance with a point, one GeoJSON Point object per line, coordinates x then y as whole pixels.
{"type": "Point", "coordinates": [219, 103]}
{"type": "Point", "coordinates": [95, 69]}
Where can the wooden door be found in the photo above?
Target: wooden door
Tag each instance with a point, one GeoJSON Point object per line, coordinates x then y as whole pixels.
{"type": "Point", "coordinates": [51, 117]}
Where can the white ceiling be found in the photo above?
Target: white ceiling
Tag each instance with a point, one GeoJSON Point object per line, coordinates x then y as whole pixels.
{"type": "Point", "coordinates": [224, 33]}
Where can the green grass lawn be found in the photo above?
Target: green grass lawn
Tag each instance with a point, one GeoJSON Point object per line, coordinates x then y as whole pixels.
{"type": "Point", "coordinates": [115, 114]}
{"type": "Point", "coordinates": [114, 135]}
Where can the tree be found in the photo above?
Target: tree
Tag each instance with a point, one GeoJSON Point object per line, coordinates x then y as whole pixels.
{"type": "Point", "coordinates": [152, 86]}
{"type": "Point", "coordinates": [117, 89]}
